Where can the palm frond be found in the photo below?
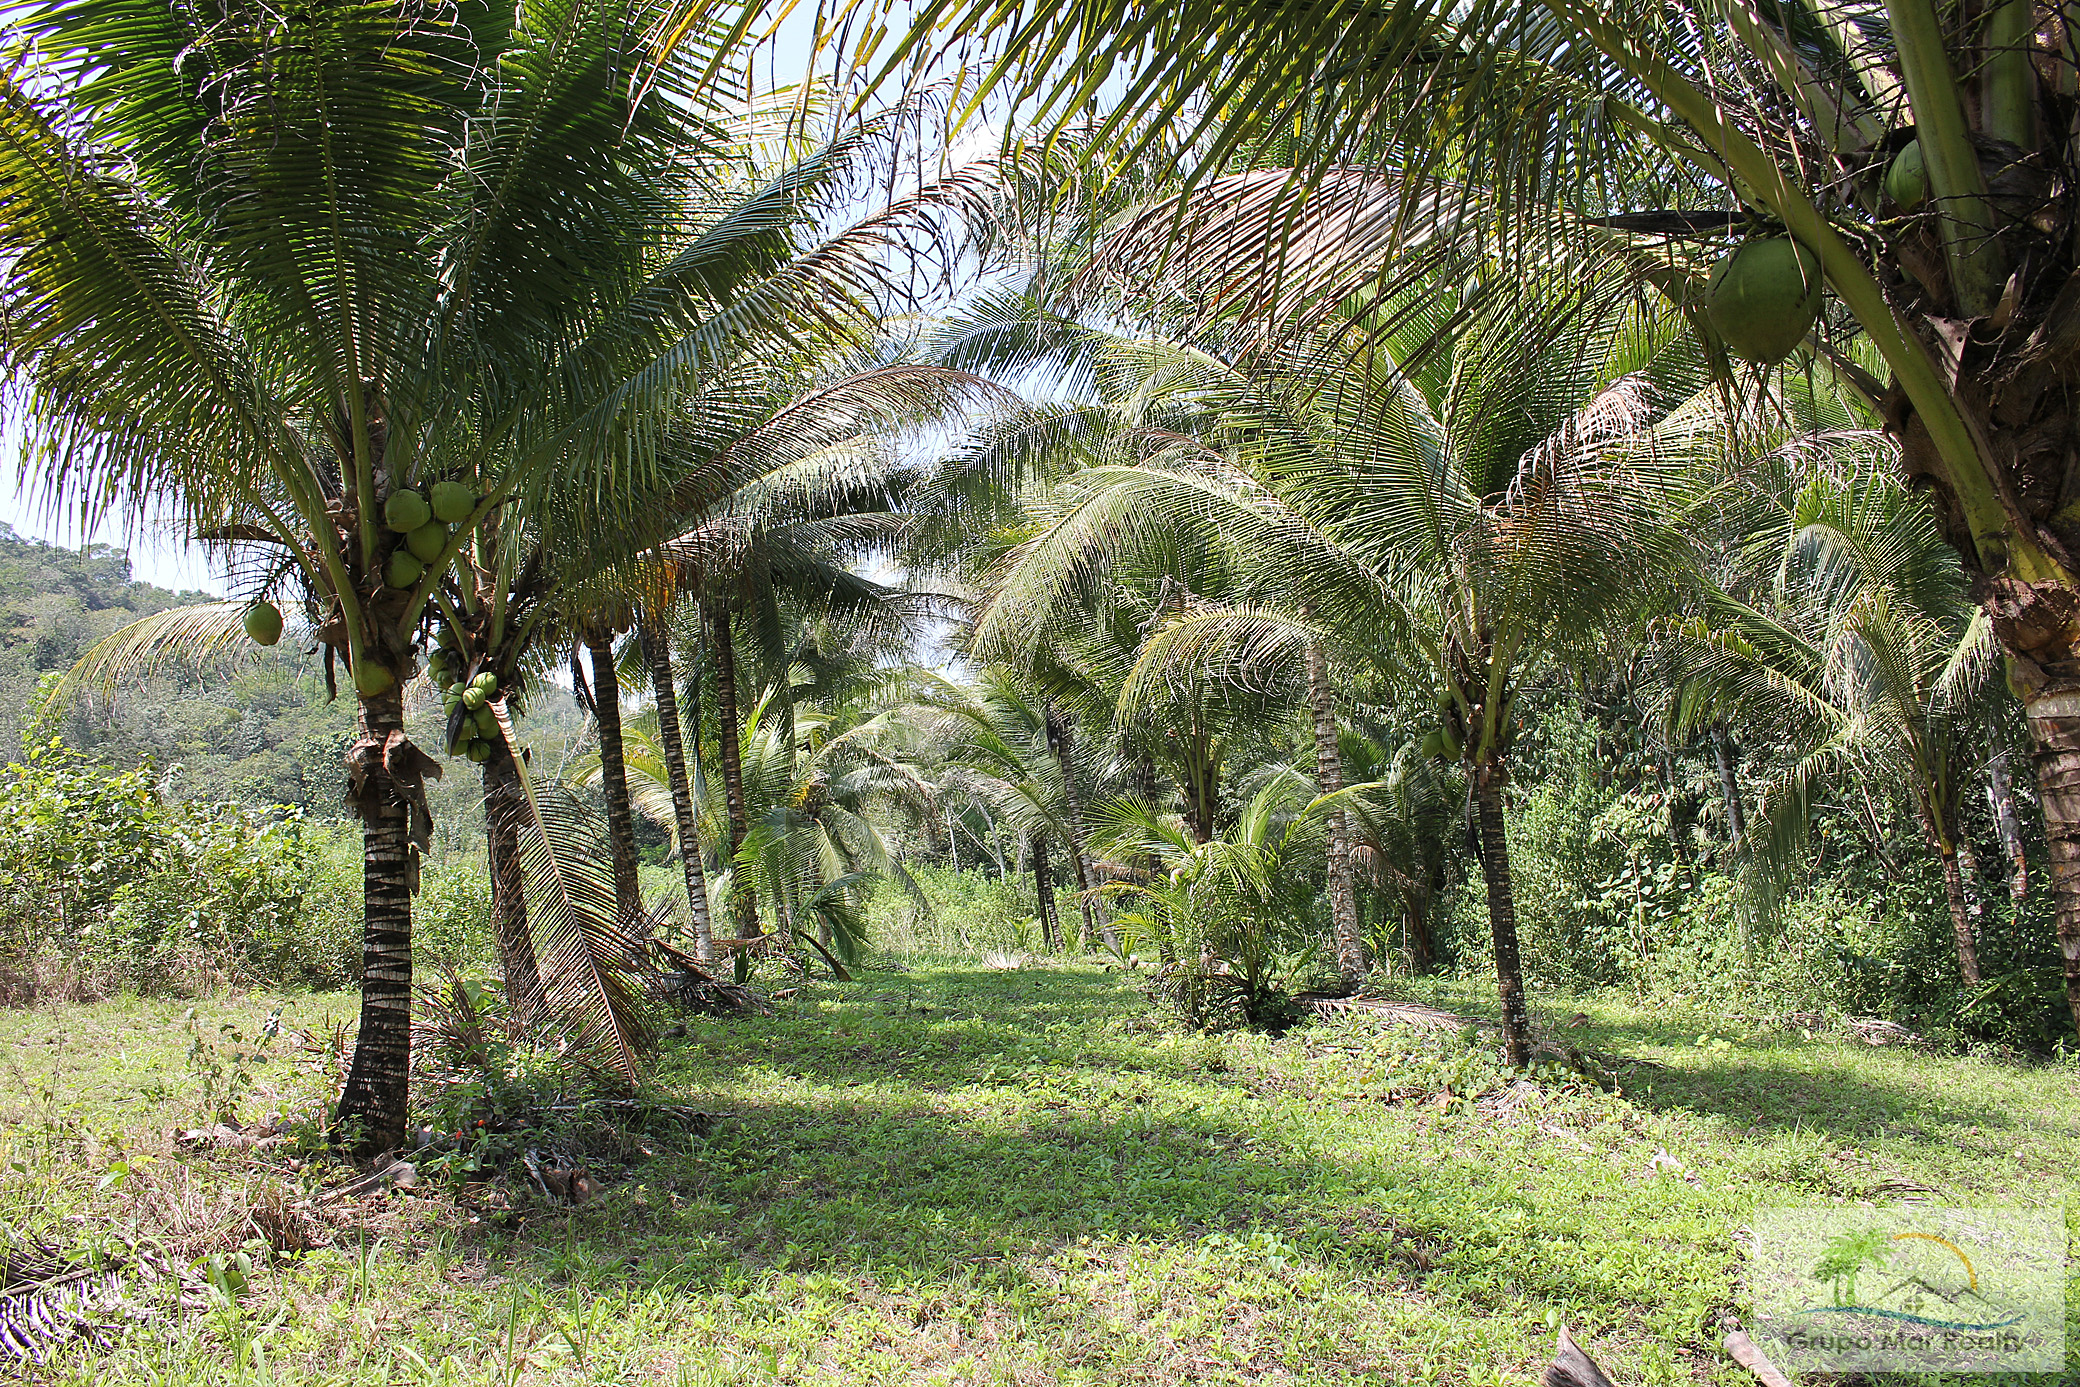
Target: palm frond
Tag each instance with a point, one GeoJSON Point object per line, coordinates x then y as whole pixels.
{"type": "Point", "coordinates": [593, 959]}
{"type": "Point", "coordinates": [194, 637]}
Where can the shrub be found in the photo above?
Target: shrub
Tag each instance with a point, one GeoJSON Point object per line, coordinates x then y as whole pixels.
{"type": "Point", "coordinates": [103, 885]}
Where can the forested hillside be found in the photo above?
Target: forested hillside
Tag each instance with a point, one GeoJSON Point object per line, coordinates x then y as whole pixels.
{"type": "Point", "coordinates": [255, 728]}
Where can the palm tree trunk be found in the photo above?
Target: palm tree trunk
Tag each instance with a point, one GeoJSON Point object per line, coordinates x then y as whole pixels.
{"type": "Point", "coordinates": [504, 804]}
{"type": "Point", "coordinates": [657, 650]}
{"type": "Point", "coordinates": [1043, 892]}
{"type": "Point", "coordinates": [1201, 788]}
{"type": "Point", "coordinates": [1960, 916]}
{"type": "Point", "coordinates": [1415, 929]}
{"type": "Point", "coordinates": [374, 1101]}
{"type": "Point", "coordinates": [732, 753]}
{"type": "Point", "coordinates": [1730, 787]}
{"type": "Point", "coordinates": [1061, 736]}
{"type": "Point", "coordinates": [1328, 776]}
{"type": "Point", "coordinates": [613, 773]}
{"type": "Point", "coordinates": [2000, 793]}
{"type": "Point", "coordinates": [2054, 724]}
{"type": "Point", "coordinates": [1502, 918]}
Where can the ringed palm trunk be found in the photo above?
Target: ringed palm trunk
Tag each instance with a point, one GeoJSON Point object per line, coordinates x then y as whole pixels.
{"type": "Point", "coordinates": [504, 805]}
{"type": "Point", "coordinates": [1502, 916]}
{"type": "Point", "coordinates": [2054, 721]}
{"type": "Point", "coordinates": [613, 773]}
{"type": "Point", "coordinates": [657, 651]}
{"type": "Point", "coordinates": [1061, 736]}
{"type": "Point", "coordinates": [1328, 775]}
{"type": "Point", "coordinates": [726, 730]}
{"type": "Point", "coordinates": [372, 1106]}
{"type": "Point", "coordinates": [1043, 893]}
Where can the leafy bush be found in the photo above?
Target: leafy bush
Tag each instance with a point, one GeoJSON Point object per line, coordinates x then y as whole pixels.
{"type": "Point", "coordinates": [1230, 920]}
{"type": "Point", "coordinates": [105, 886]}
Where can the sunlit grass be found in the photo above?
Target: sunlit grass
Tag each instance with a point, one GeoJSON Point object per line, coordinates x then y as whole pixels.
{"type": "Point", "coordinates": [963, 1174]}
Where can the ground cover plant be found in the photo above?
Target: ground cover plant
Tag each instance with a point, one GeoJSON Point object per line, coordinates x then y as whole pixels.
{"type": "Point", "coordinates": [945, 1171]}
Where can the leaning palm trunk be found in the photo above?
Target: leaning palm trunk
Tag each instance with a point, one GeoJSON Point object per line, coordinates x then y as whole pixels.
{"type": "Point", "coordinates": [505, 806]}
{"type": "Point", "coordinates": [1328, 774]}
{"type": "Point", "coordinates": [1943, 838]}
{"type": "Point", "coordinates": [1502, 917]}
{"type": "Point", "coordinates": [613, 774]}
{"type": "Point", "coordinates": [657, 649]}
{"type": "Point", "coordinates": [378, 1086]}
{"type": "Point", "coordinates": [726, 737]}
{"type": "Point", "coordinates": [1960, 916]}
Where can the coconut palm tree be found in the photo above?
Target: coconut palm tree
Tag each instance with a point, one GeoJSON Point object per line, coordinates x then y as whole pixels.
{"type": "Point", "coordinates": [1908, 156]}
{"type": "Point", "coordinates": [418, 276]}
{"type": "Point", "coordinates": [275, 273]}
{"type": "Point", "coordinates": [806, 487]}
{"type": "Point", "coordinates": [1006, 749]}
{"type": "Point", "coordinates": [1483, 506]}
{"type": "Point", "coordinates": [1869, 663]}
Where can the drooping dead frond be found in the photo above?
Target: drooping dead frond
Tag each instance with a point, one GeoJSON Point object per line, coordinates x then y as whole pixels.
{"type": "Point", "coordinates": [593, 959]}
{"type": "Point", "coordinates": [46, 1302]}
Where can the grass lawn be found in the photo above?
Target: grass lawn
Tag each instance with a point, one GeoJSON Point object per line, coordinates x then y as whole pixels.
{"type": "Point", "coordinates": [952, 1174]}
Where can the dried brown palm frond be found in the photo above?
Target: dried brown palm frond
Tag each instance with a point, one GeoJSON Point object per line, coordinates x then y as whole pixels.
{"type": "Point", "coordinates": [594, 960]}
{"type": "Point", "coordinates": [47, 1301]}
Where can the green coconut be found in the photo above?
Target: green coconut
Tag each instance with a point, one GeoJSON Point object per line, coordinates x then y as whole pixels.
{"type": "Point", "coordinates": [263, 622]}
{"type": "Point", "coordinates": [403, 570]}
{"type": "Point", "coordinates": [372, 680]}
{"type": "Point", "coordinates": [485, 680]}
{"type": "Point", "coordinates": [427, 541]}
{"type": "Point", "coordinates": [486, 722]}
{"type": "Point", "coordinates": [473, 699]}
{"type": "Point", "coordinates": [452, 502]}
{"type": "Point", "coordinates": [406, 511]}
{"type": "Point", "coordinates": [1906, 181]}
{"type": "Point", "coordinates": [480, 751]}
{"type": "Point", "coordinates": [1764, 298]}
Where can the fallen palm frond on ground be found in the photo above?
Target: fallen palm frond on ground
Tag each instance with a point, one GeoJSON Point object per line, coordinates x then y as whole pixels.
{"type": "Point", "coordinates": [46, 1302]}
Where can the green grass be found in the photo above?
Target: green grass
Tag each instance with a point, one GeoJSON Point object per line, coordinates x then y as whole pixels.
{"type": "Point", "coordinates": [951, 1174]}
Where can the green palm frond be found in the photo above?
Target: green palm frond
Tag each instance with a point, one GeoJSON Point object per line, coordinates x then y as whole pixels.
{"type": "Point", "coordinates": [193, 637]}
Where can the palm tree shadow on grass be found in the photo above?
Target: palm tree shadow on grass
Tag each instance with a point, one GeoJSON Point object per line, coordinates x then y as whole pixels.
{"type": "Point", "coordinates": [861, 1187]}
{"type": "Point", "coordinates": [1757, 1093]}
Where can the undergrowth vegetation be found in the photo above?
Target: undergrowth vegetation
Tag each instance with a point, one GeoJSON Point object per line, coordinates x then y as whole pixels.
{"type": "Point", "coordinates": [949, 1172]}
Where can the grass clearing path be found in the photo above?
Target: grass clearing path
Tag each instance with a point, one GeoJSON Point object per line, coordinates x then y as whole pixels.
{"type": "Point", "coordinates": [953, 1174]}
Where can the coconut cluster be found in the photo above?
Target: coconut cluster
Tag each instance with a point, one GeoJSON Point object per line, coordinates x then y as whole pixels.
{"type": "Point", "coordinates": [426, 522]}
{"type": "Point", "coordinates": [1764, 298]}
{"type": "Point", "coordinates": [473, 729]}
